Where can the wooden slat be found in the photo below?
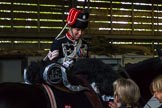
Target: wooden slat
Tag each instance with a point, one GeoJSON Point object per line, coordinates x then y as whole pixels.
{"type": "Point", "coordinates": [24, 8]}
{"type": "Point", "coordinates": [124, 19]}
{"type": "Point", "coordinates": [80, 3]}
{"type": "Point", "coordinates": [99, 12]}
{"type": "Point", "coordinates": [142, 26]}
{"type": "Point", "coordinates": [26, 45]}
{"type": "Point", "coordinates": [18, 46]}
{"type": "Point", "coordinates": [126, 6]}
{"type": "Point", "coordinates": [142, 33]}
{"type": "Point", "coordinates": [122, 0]}
{"type": "Point", "coordinates": [120, 26]}
{"type": "Point", "coordinates": [6, 0]}
{"type": "Point", "coordinates": [121, 32]}
{"type": "Point", "coordinates": [5, 7]}
{"type": "Point", "coordinates": [142, 7]}
{"type": "Point", "coordinates": [45, 45]}
{"type": "Point", "coordinates": [137, 13]}
{"type": "Point", "coordinates": [56, 2]}
{"type": "Point", "coordinates": [52, 16]}
{"type": "Point", "coordinates": [156, 1]}
{"type": "Point", "coordinates": [25, 15]}
{"type": "Point", "coordinates": [5, 22]}
{"type": "Point", "coordinates": [5, 30]}
{"type": "Point", "coordinates": [159, 8]}
{"type": "Point", "coordinates": [143, 1]}
{"type": "Point", "coordinates": [120, 12]}
{"type": "Point", "coordinates": [44, 34]}
{"type": "Point", "coordinates": [25, 30]}
{"type": "Point", "coordinates": [159, 14]}
{"type": "Point", "coordinates": [158, 34]}
{"type": "Point", "coordinates": [52, 24]}
{"type": "Point", "coordinates": [25, 23]}
{"type": "Point", "coordinates": [54, 31]}
{"type": "Point", "coordinates": [158, 27]}
{"type": "Point", "coordinates": [143, 20]}
{"type": "Point", "coordinates": [5, 15]}
{"type": "Point", "coordinates": [99, 18]}
{"type": "Point", "coordinates": [95, 4]}
{"type": "Point", "coordinates": [6, 45]}
{"type": "Point", "coordinates": [99, 25]}
{"type": "Point", "coordinates": [99, 32]}
{"type": "Point", "coordinates": [51, 9]}
{"type": "Point", "coordinates": [25, 1]}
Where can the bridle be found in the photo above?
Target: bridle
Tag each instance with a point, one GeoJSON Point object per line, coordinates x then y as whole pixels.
{"type": "Point", "coordinates": [105, 98]}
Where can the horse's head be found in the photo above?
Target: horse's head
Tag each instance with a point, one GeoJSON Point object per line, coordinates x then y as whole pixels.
{"type": "Point", "coordinates": [96, 71]}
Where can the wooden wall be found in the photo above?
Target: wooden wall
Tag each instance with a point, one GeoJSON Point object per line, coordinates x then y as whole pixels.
{"type": "Point", "coordinates": [45, 18]}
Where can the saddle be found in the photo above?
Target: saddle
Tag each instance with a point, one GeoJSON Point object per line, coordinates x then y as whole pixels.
{"type": "Point", "coordinates": [61, 97]}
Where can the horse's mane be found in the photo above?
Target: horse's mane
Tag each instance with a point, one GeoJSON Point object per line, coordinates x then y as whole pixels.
{"type": "Point", "coordinates": [95, 70]}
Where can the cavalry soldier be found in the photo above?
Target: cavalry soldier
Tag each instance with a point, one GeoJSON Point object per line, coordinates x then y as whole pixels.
{"type": "Point", "coordinates": [71, 45]}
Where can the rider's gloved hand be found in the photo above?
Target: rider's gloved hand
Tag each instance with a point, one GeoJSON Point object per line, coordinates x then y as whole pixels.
{"type": "Point", "coordinates": [68, 63]}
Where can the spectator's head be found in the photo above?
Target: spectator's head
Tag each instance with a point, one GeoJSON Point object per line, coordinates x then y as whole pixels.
{"type": "Point", "coordinates": [156, 88]}
{"type": "Point", "coordinates": [126, 92]}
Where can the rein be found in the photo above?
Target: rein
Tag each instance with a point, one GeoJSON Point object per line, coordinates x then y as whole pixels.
{"type": "Point", "coordinates": [91, 94]}
{"type": "Point", "coordinates": [94, 99]}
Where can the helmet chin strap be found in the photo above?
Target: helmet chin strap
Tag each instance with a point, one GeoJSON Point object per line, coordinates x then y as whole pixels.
{"type": "Point", "coordinates": [72, 34]}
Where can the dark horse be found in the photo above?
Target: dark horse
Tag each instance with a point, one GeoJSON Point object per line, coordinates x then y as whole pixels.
{"type": "Point", "coordinates": [74, 92]}
{"type": "Point", "coordinates": [143, 73]}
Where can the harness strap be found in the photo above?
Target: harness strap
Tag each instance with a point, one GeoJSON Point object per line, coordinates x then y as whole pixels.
{"type": "Point", "coordinates": [50, 95]}
{"type": "Point", "coordinates": [94, 99]}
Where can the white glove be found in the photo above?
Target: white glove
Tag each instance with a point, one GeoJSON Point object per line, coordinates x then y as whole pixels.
{"type": "Point", "coordinates": [68, 63]}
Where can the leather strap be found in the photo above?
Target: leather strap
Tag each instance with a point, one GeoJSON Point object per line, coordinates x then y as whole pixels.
{"type": "Point", "coordinates": [94, 99]}
{"type": "Point", "coordinates": [50, 95]}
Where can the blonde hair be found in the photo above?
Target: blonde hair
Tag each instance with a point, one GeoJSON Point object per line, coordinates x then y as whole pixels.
{"type": "Point", "coordinates": [127, 91]}
{"type": "Point", "coordinates": [156, 84]}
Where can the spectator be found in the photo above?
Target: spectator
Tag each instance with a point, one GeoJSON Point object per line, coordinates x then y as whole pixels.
{"type": "Point", "coordinates": [156, 88]}
{"type": "Point", "coordinates": [126, 94]}
{"type": "Point", "coordinates": [71, 45]}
